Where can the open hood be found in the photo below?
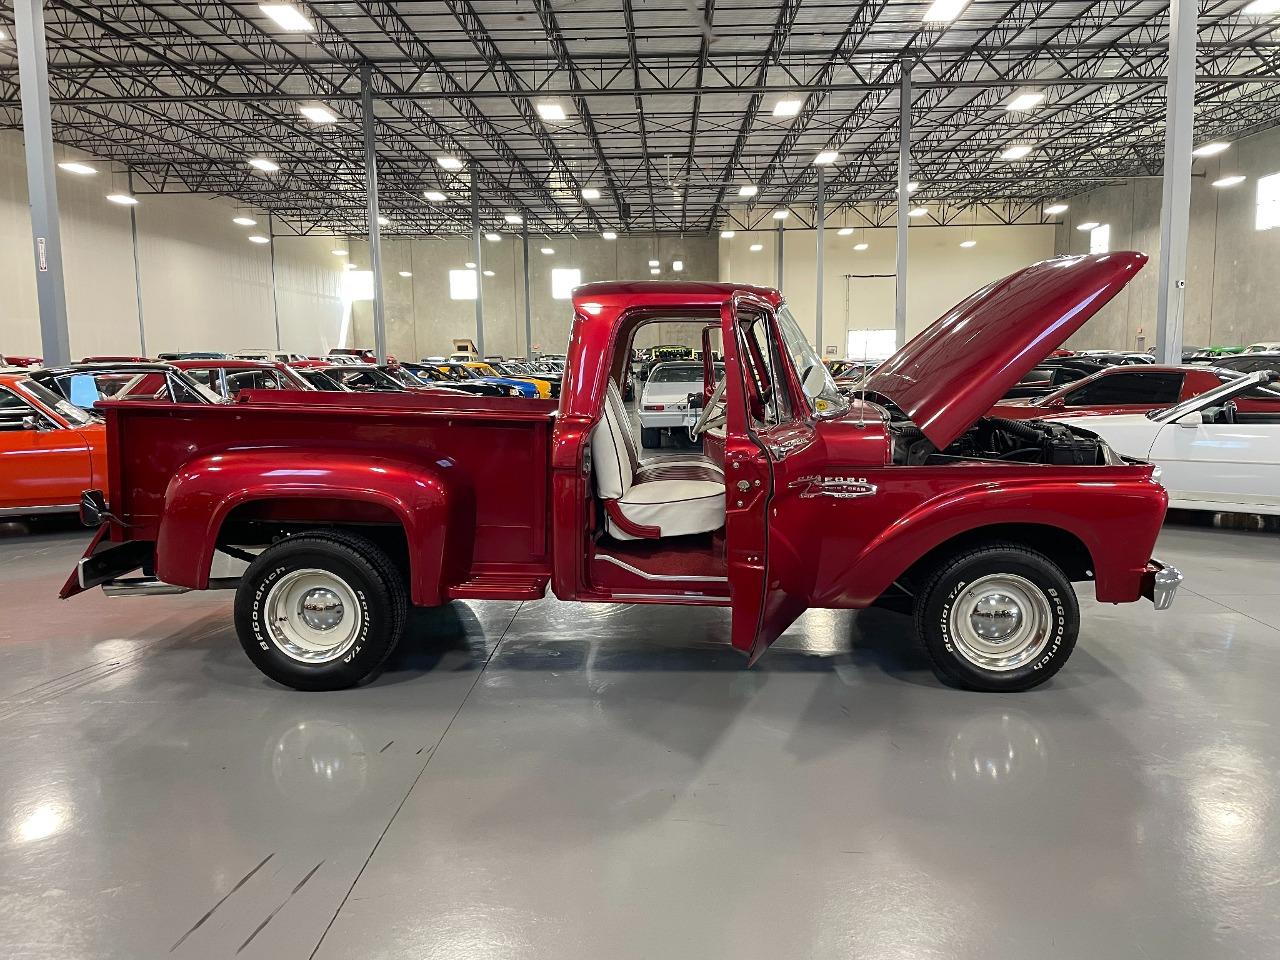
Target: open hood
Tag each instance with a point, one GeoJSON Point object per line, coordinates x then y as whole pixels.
{"type": "Point", "coordinates": [958, 367]}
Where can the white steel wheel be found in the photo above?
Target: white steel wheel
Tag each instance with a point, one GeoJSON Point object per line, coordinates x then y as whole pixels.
{"type": "Point", "coordinates": [1001, 622]}
{"type": "Point", "coordinates": [313, 616]}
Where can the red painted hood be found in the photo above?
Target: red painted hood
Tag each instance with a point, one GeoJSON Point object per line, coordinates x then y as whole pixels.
{"type": "Point", "coordinates": [958, 367]}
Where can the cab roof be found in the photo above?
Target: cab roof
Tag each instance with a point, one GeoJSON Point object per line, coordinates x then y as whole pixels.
{"type": "Point", "coordinates": [622, 294]}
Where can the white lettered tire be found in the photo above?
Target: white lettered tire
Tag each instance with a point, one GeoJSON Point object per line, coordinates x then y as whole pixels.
{"type": "Point", "coordinates": [321, 611]}
{"type": "Point", "coordinates": [997, 618]}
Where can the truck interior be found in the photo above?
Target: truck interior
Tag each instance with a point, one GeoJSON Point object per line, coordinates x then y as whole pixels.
{"type": "Point", "coordinates": [660, 520]}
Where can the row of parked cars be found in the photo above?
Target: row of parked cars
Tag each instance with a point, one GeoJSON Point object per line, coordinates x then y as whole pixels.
{"type": "Point", "coordinates": [52, 438]}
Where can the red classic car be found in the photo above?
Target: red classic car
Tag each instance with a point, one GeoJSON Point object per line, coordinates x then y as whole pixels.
{"type": "Point", "coordinates": [348, 508]}
{"type": "Point", "coordinates": [1131, 389]}
{"type": "Point", "coordinates": [51, 449]}
{"type": "Point", "coordinates": [227, 378]}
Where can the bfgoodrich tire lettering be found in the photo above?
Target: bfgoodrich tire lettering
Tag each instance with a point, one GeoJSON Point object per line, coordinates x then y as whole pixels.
{"type": "Point", "coordinates": [320, 611]}
{"type": "Point", "coordinates": [999, 618]}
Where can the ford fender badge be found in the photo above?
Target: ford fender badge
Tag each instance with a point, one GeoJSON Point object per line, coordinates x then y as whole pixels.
{"type": "Point", "coordinates": [843, 488]}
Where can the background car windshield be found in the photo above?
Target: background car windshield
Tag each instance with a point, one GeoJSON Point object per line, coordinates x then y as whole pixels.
{"type": "Point", "coordinates": [819, 389]}
{"type": "Point", "coordinates": [682, 373]}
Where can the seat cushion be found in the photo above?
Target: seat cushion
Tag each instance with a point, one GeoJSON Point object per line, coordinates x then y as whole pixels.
{"type": "Point", "coordinates": [675, 469]}
{"type": "Point", "coordinates": [675, 507]}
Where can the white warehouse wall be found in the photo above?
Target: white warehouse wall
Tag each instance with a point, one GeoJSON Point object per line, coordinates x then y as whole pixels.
{"type": "Point", "coordinates": [204, 285]}
{"type": "Point", "coordinates": [1233, 282]}
{"type": "Point", "coordinates": [939, 272]}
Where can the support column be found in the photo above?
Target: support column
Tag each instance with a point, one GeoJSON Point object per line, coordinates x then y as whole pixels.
{"type": "Point", "coordinates": [275, 294]}
{"type": "Point", "coordinates": [528, 307]}
{"type": "Point", "coordinates": [137, 272]}
{"type": "Point", "coordinates": [819, 216]}
{"type": "Point", "coordinates": [477, 257]}
{"type": "Point", "coordinates": [371, 190]}
{"type": "Point", "coordinates": [37, 129]}
{"type": "Point", "coordinates": [1175, 202]}
{"type": "Point", "coordinates": [777, 259]}
{"type": "Point", "coordinates": [904, 204]}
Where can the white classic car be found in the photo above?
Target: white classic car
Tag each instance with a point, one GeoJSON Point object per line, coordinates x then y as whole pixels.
{"type": "Point", "coordinates": [664, 405]}
{"type": "Point", "coordinates": [1211, 455]}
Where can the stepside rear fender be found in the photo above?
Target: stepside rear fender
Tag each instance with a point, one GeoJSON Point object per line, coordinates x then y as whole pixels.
{"type": "Point", "coordinates": [1117, 521]}
{"type": "Point", "coordinates": [429, 501]}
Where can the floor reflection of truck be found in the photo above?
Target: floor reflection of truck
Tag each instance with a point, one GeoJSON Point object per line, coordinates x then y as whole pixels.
{"type": "Point", "coordinates": [349, 508]}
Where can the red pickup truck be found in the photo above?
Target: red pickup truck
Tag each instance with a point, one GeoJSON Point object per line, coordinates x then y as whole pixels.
{"type": "Point", "coordinates": [344, 509]}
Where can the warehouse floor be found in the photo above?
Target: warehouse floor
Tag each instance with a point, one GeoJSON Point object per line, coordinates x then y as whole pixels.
{"type": "Point", "coordinates": [550, 780]}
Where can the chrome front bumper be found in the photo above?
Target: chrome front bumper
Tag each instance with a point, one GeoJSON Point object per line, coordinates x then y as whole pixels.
{"type": "Point", "coordinates": [1160, 584]}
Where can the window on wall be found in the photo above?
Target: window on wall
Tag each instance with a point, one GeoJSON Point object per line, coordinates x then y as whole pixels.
{"type": "Point", "coordinates": [1100, 239]}
{"type": "Point", "coordinates": [1268, 215]}
{"type": "Point", "coordinates": [563, 280]}
{"type": "Point", "coordinates": [870, 344]}
{"type": "Point", "coordinates": [462, 284]}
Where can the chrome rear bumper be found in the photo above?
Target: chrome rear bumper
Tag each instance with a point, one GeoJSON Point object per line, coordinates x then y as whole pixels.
{"type": "Point", "coordinates": [1160, 584]}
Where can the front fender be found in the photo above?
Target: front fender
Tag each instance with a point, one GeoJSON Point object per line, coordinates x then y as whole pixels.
{"type": "Point", "coordinates": [428, 501]}
{"type": "Point", "coordinates": [1116, 520]}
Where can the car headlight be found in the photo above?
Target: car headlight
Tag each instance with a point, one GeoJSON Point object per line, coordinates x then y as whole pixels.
{"type": "Point", "coordinates": [1156, 474]}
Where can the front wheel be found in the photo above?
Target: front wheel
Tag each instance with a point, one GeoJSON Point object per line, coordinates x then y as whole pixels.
{"type": "Point", "coordinates": [320, 611]}
{"type": "Point", "coordinates": [999, 618]}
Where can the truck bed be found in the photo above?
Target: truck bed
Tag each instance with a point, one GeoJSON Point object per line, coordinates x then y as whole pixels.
{"type": "Point", "coordinates": [497, 447]}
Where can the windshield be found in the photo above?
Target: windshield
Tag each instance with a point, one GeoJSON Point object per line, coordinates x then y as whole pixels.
{"type": "Point", "coordinates": [65, 408]}
{"type": "Point", "coordinates": [1253, 384]}
{"type": "Point", "coordinates": [682, 373]}
{"type": "Point", "coordinates": [820, 390]}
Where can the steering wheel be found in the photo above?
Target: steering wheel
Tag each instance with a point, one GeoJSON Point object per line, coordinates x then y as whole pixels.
{"type": "Point", "coordinates": [710, 417]}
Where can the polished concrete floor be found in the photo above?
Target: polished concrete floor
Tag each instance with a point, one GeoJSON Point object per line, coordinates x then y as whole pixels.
{"type": "Point", "coordinates": [549, 780]}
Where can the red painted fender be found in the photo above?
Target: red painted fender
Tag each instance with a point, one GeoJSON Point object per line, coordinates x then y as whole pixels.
{"type": "Point", "coordinates": [428, 502]}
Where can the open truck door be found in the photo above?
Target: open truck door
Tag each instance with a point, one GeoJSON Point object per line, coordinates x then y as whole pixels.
{"type": "Point", "coordinates": [768, 444]}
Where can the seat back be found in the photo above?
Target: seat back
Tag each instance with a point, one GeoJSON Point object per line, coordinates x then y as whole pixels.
{"type": "Point", "coordinates": [613, 399]}
{"type": "Point", "coordinates": [611, 459]}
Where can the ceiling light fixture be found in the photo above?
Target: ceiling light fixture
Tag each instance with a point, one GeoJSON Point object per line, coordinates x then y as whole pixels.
{"type": "Point", "coordinates": [258, 238]}
{"type": "Point", "coordinates": [551, 111]}
{"type": "Point", "coordinates": [677, 266]}
{"type": "Point", "coordinates": [844, 231]}
{"type": "Point", "coordinates": [1025, 101]}
{"type": "Point", "coordinates": [435, 196]}
{"type": "Point", "coordinates": [826, 158]}
{"type": "Point", "coordinates": [1056, 208]}
{"type": "Point", "coordinates": [1230, 181]}
{"type": "Point", "coordinates": [122, 198]}
{"type": "Point", "coordinates": [590, 193]}
{"type": "Point", "coordinates": [548, 251]}
{"type": "Point", "coordinates": [912, 187]}
{"type": "Point", "coordinates": [727, 234]}
{"type": "Point", "coordinates": [492, 237]}
{"type": "Point", "coordinates": [944, 11]}
{"type": "Point", "coordinates": [469, 265]}
{"type": "Point", "coordinates": [384, 222]}
{"type": "Point", "coordinates": [318, 114]}
{"type": "Point", "coordinates": [338, 252]}
{"type": "Point", "coordinates": [514, 218]}
{"type": "Point", "coordinates": [756, 247]}
{"type": "Point", "coordinates": [449, 163]}
{"type": "Point", "coordinates": [1087, 225]}
{"type": "Point", "coordinates": [263, 164]}
{"type": "Point", "coordinates": [748, 190]}
{"type": "Point", "coordinates": [918, 212]}
{"type": "Point", "coordinates": [861, 246]}
{"type": "Point", "coordinates": [968, 243]}
{"type": "Point", "coordinates": [1210, 149]}
{"type": "Point", "coordinates": [787, 108]}
{"type": "Point", "coordinates": [1262, 8]}
{"type": "Point", "coordinates": [1015, 152]}
{"type": "Point", "coordinates": [245, 221]}
{"type": "Point", "coordinates": [654, 270]}
{"type": "Point", "coordinates": [287, 17]}
{"type": "Point", "coordinates": [608, 235]}
{"type": "Point", "coordinates": [406, 273]}
{"type": "Point", "coordinates": [488, 273]}
{"type": "Point", "coordinates": [73, 166]}
{"type": "Point", "coordinates": [781, 214]}
{"type": "Point", "coordinates": [653, 263]}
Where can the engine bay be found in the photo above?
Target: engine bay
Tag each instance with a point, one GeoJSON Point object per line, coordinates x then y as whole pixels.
{"type": "Point", "coordinates": [1010, 441]}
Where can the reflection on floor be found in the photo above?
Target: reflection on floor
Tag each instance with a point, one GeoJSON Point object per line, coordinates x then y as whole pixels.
{"type": "Point", "coordinates": [563, 781]}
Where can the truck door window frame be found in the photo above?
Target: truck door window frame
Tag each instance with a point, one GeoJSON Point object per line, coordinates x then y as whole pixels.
{"type": "Point", "coordinates": [765, 384]}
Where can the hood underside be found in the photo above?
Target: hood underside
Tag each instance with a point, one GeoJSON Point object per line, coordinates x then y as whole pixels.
{"type": "Point", "coordinates": [958, 367]}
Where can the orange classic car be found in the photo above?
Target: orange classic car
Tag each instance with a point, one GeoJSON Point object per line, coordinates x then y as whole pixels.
{"type": "Point", "coordinates": [50, 449]}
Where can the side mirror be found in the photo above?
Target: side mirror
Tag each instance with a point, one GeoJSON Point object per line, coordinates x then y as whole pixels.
{"type": "Point", "coordinates": [30, 422]}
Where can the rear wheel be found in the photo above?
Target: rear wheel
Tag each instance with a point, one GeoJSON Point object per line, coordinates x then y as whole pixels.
{"type": "Point", "coordinates": [1000, 618]}
{"type": "Point", "coordinates": [651, 437]}
{"type": "Point", "coordinates": [321, 611]}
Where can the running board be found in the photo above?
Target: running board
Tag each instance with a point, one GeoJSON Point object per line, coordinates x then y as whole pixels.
{"type": "Point", "coordinates": [151, 587]}
{"type": "Point", "coordinates": [497, 585]}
